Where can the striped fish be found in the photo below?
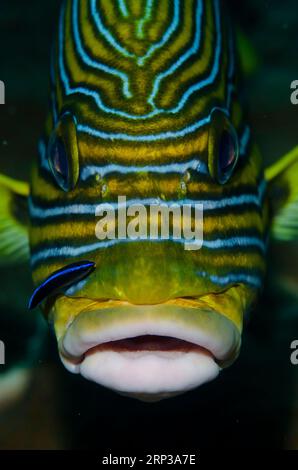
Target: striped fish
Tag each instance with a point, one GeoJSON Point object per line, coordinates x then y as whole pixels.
{"type": "Point", "coordinates": [145, 104]}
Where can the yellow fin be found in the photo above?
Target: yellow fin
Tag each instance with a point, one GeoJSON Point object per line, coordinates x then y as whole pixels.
{"type": "Point", "coordinates": [282, 180]}
{"type": "Point", "coordinates": [14, 243]}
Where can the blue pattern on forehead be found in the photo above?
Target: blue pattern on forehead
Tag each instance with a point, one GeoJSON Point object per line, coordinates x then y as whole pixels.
{"type": "Point", "coordinates": [156, 111]}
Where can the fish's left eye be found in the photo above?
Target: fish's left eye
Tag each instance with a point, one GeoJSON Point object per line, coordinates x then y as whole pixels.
{"type": "Point", "coordinates": [223, 148]}
{"type": "Point", "coordinates": [58, 162]}
{"type": "Point", "coordinates": [63, 153]}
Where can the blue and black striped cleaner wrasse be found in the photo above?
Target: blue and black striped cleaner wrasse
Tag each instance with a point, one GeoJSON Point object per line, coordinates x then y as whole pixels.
{"type": "Point", "coordinates": [145, 103]}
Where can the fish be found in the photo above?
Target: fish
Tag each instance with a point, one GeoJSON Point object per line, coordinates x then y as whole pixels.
{"type": "Point", "coordinates": [146, 102]}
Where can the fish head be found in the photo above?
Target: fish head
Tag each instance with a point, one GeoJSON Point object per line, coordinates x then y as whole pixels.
{"type": "Point", "coordinates": [145, 113]}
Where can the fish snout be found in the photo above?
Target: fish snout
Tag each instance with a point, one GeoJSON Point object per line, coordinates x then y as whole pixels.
{"type": "Point", "coordinates": [145, 273]}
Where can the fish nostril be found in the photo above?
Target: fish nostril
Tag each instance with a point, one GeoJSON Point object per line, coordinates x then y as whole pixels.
{"type": "Point", "coordinates": [186, 176]}
{"type": "Point", "coordinates": [103, 186]}
{"type": "Point", "coordinates": [97, 177]}
{"type": "Point", "coordinates": [104, 189]}
{"type": "Point", "coordinates": [182, 190]}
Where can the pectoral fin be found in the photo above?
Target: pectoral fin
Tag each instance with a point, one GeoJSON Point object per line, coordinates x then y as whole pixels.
{"type": "Point", "coordinates": [282, 180]}
{"type": "Point", "coordinates": [14, 243]}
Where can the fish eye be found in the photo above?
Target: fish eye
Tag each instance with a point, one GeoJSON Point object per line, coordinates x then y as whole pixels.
{"type": "Point", "coordinates": [63, 153]}
{"type": "Point", "coordinates": [223, 148]}
{"type": "Point", "coordinates": [59, 163]}
{"type": "Point", "coordinates": [227, 155]}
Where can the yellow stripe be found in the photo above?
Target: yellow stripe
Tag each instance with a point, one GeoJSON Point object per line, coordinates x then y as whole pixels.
{"type": "Point", "coordinates": [207, 262]}
{"type": "Point", "coordinates": [99, 151]}
{"type": "Point", "coordinates": [86, 229]}
{"type": "Point", "coordinates": [161, 22]}
{"type": "Point", "coordinates": [136, 7]}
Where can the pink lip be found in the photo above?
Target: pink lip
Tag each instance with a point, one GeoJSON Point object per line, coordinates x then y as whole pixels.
{"type": "Point", "coordinates": [149, 343]}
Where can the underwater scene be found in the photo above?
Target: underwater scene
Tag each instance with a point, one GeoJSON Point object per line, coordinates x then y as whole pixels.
{"type": "Point", "coordinates": [148, 226]}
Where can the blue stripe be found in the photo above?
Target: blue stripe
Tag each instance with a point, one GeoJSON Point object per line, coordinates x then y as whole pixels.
{"type": "Point", "coordinates": [54, 107]}
{"type": "Point", "coordinates": [149, 137]}
{"type": "Point", "coordinates": [91, 62]}
{"type": "Point", "coordinates": [244, 141]}
{"type": "Point", "coordinates": [123, 8]}
{"type": "Point", "coordinates": [73, 252]}
{"type": "Point", "coordinates": [76, 287]}
{"type": "Point", "coordinates": [89, 209]}
{"type": "Point", "coordinates": [255, 281]}
{"type": "Point", "coordinates": [179, 168]}
{"type": "Point", "coordinates": [42, 150]}
{"type": "Point", "coordinates": [142, 21]}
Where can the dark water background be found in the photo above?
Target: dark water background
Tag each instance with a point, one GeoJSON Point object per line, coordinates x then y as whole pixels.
{"type": "Point", "coordinates": [252, 404]}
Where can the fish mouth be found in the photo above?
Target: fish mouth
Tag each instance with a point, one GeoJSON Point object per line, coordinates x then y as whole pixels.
{"type": "Point", "coordinates": [148, 351]}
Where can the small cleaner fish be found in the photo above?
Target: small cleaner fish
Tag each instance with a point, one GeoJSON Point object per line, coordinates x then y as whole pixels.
{"type": "Point", "coordinates": [145, 104]}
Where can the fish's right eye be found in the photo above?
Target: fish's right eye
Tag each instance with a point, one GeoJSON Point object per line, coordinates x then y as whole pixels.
{"type": "Point", "coordinates": [228, 153]}
{"type": "Point", "coordinates": [223, 147]}
{"type": "Point", "coordinates": [63, 153]}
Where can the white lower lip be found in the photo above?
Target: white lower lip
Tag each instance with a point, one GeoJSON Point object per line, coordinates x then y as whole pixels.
{"type": "Point", "coordinates": [148, 372]}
